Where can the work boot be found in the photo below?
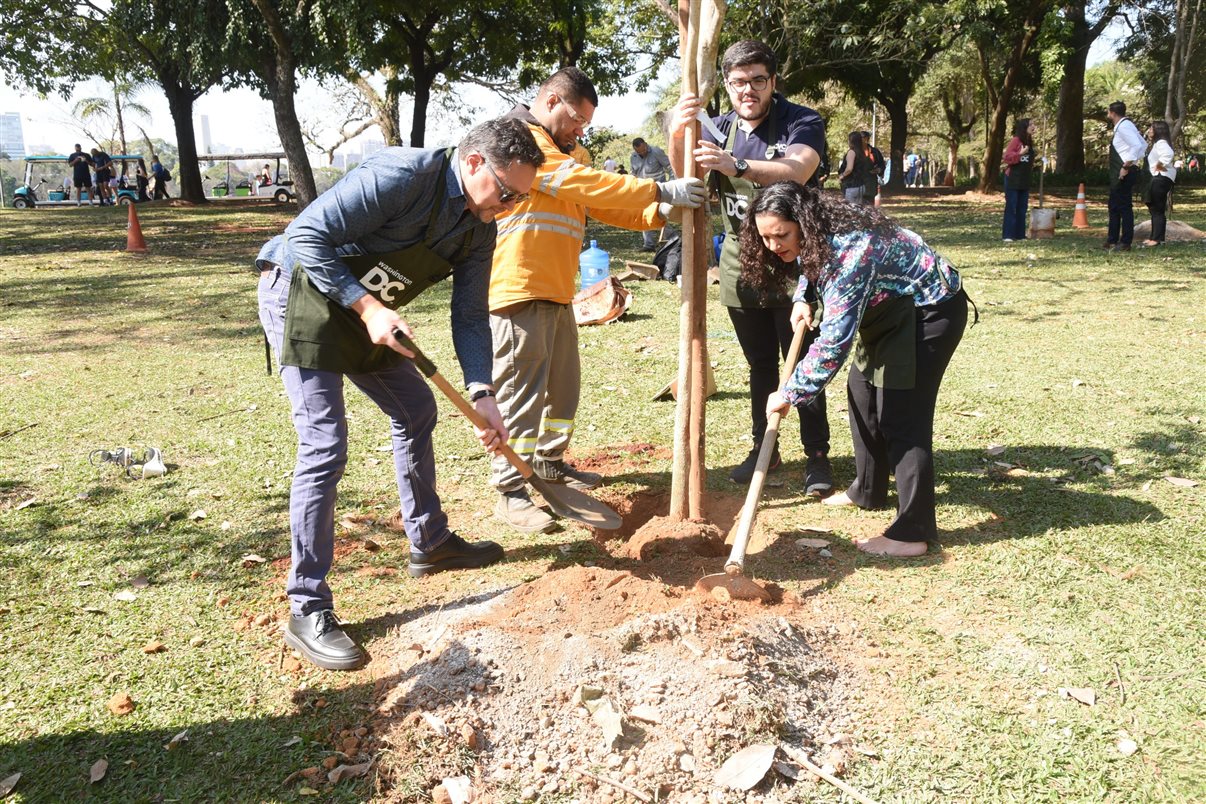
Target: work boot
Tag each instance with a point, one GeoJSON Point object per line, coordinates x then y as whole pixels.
{"type": "Point", "coordinates": [818, 476]}
{"type": "Point", "coordinates": [743, 472]}
{"type": "Point", "coordinates": [318, 637]}
{"type": "Point", "coordinates": [454, 553]}
{"type": "Point", "coordinates": [517, 510]}
{"type": "Point", "coordinates": [559, 471]}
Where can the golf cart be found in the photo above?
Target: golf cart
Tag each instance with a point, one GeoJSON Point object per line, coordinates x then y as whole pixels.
{"type": "Point", "coordinates": [38, 168]}
{"type": "Point", "coordinates": [237, 185]}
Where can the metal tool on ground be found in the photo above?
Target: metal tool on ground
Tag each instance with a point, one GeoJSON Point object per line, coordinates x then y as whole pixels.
{"type": "Point", "coordinates": [732, 579]}
{"type": "Point", "coordinates": [565, 501]}
{"type": "Point", "coordinates": [138, 463]}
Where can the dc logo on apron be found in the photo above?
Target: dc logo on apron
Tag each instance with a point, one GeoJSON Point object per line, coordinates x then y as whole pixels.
{"type": "Point", "coordinates": [735, 205]}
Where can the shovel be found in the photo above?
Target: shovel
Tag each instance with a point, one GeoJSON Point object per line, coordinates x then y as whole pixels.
{"type": "Point", "coordinates": [732, 579]}
{"type": "Point", "coordinates": [565, 501]}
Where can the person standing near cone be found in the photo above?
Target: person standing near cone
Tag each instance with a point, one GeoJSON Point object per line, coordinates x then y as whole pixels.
{"type": "Point", "coordinates": [767, 139]}
{"type": "Point", "coordinates": [536, 366]}
{"type": "Point", "coordinates": [1126, 153]}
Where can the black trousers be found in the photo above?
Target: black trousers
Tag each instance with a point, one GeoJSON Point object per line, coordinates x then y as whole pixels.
{"type": "Point", "coordinates": [893, 430]}
{"type": "Point", "coordinates": [1122, 210]}
{"type": "Point", "coordinates": [765, 338]}
{"type": "Point", "coordinates": [1158, 206]}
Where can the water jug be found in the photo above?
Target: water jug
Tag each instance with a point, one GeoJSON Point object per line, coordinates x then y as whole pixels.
{"type": "Point", "coordinates": [593, 265]}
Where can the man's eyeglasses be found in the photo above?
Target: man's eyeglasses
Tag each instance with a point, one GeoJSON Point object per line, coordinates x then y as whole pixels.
{"type": "Point", "coordinates": [757, 82]}
{"type": "Point", "coordinates": [577, 118]}
{"type": "Point", "coordinates": [505, 194]}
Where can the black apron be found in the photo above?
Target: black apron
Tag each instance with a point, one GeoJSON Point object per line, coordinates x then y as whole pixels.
{"type": "Point", "coordinates": [324, 335]}
{"type": "Point", "coordinates": [735, 197]}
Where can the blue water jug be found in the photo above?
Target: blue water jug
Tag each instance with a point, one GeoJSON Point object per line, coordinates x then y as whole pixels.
{"type": "Point", "coordinates": [593, 264]}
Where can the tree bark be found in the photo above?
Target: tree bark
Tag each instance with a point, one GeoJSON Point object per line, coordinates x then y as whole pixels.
{"type": "Point", "coordinates": [121, 124]}
{"type": "Point", "coordinates": [1184, 43]}
{"type": "Point", "coordinates": [898, 113]}
{"type": "Point", "coordinates": [188, 172]}
{"type": "Point", "coordinates": [418, 119]}
{"type": "Point", "coordinates": [1070, 115]}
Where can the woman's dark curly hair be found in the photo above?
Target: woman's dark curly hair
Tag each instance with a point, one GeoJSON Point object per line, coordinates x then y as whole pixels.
{"type": "Point", "coordinates": [819, 216]}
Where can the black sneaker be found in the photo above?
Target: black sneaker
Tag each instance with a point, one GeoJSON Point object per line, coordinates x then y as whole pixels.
{"type": "Point", "coordinates": [818, 476]}
{"type": "Point", "coordinates": [562, 473]}
{"type": "Point", "coordinates": [454, 553]}
{"type": "Point", "coordinates": [319, 637]}
{"type": "Point", "coordinates": [743, 473]}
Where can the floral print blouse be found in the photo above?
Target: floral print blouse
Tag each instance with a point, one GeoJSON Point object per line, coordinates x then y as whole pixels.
{"type": "Point", "coordinates": [865, 269]}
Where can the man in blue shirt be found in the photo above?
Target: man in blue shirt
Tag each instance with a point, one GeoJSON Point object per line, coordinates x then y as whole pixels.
{"type": "Point", "coordinates": [767, 138]}
{"type": "Point", "coordinates": [81, 173]}
{"type": "Point", "coordinates": [329, 290]}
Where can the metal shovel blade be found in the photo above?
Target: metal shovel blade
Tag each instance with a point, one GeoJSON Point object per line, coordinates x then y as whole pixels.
{"type": "Point", "coordinates": [576, 505]}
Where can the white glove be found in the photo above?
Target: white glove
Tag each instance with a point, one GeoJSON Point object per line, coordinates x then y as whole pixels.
{"type": "Point", "coordinates": [682, 192]}
{"type": "Point", "coordinates": [670, 213]}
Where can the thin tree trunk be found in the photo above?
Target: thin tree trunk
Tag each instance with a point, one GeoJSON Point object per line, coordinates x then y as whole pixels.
{"type": "Point", "coordinates": [283, 86]}
{"type": "Point", "coordinates": [121, 124]}
{"type": "Point", "coordinates": [418, 119]}
{"type": "Point", "coordinates": [898, 113]}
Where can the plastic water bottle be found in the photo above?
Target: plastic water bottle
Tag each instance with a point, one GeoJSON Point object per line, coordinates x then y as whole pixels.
{"type": "Point", "coordinates": [593, 264]}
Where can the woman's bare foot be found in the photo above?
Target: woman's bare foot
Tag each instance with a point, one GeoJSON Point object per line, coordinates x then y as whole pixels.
{"type": "Point", "coordinates": [837, 500]}
{"type": "Point", "coordinates": [883, 546]}
{"type": "Point", "coordinates": [1150, 243]}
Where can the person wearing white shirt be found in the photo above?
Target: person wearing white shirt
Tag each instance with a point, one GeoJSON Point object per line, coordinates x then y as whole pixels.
{"type": "Point", "coordinates": [1164, 176]}
{"type": "Point", "coordinates": [610, 165]}
{"type": "Point", "coordinates": [1126, 152]}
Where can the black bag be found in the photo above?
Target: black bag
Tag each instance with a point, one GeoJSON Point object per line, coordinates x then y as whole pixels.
{"type": "Point", "coordinates": [669, 258]}
{"type": "Point", "coordinates": [167, 176]}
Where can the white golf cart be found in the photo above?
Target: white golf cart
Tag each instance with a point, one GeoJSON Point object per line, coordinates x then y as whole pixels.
{"type": "Point", "coordinates": [237, 184]}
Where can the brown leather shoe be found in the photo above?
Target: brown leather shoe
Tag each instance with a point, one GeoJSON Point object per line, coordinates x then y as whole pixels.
{"type": "Point", "coordinates": [517, 510]}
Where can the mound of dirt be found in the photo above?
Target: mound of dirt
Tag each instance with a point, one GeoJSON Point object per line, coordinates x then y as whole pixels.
{"type": "Point", "coordinates": [662, 536]}
{"type": "Point", "coordinates": [1175, 232]}
{"type": "Point", "coordinates": [588, 677]}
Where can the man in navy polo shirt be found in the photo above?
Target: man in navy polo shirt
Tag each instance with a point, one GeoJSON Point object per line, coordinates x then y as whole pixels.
{"type": "Point", "coordinates": [766, 139]}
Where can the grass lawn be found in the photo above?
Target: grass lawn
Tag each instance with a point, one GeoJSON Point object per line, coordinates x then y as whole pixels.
{"type": "Point", "coordinates": [1068, 560]}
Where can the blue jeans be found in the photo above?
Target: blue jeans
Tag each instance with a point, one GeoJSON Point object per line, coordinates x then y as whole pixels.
{"type": "Point", "coordinates": [1017, 204]}
{"type": "Point", "coordinates": [1122, 210]}
{"type": "Point", "coordinates": [320, 419]}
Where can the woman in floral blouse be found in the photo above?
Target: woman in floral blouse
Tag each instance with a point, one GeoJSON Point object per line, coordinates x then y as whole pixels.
{"type": "Point", "coordinates": [900, 308]}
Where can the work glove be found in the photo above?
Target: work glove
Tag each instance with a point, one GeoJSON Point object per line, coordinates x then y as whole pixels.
{"type": "Point", "coordinates": [682, 192]}
{"type": "Point", "coordinates": [670, 213]}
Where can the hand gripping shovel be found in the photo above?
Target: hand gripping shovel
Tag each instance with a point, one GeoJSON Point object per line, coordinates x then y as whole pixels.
{"type": "Point", "coordinates": [565, 501]}
{"type": "Point", "coordinates": [731, 579]}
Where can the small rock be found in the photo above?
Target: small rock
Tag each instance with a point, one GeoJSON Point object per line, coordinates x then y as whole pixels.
{"type": "Point", "coordinates": [439, 795]}
{"type": "Point", "coordinates": [262, 620]}
{"type": "Point", "coordinates": [469, 736]}
{"type": "Point", "coordinates": [527, 794]}
{"type": "Point", "coordinates": [823, 553]}
{"type": "Point", "coordinates": [197, 641]}
{"type": "Point", "coordinates": [330, 762]}
{"type": "Point", "coordinates": [630, 768]}
{"type": "Point", "coordinates": [686, 763]}
{"type": "Point", "coordinates": [1127, 746]}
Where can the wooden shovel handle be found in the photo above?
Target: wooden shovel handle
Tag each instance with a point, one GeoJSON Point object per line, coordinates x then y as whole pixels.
{"type": "Point", "coordinates": [429, 370]}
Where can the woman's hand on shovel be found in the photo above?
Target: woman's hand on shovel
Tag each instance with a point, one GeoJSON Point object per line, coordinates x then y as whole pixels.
{"type": "Point", "coordinates": [494, 436]}
{"type": "Point", "coordinates": [775, 403]}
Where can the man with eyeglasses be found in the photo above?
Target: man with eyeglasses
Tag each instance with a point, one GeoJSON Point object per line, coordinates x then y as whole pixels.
{"type": "Point", "coordinates": [767, 139]}
{"type": "Point", "coordinates": [400, 222]}
{"type": "Point", "coordinates": [536, 365]}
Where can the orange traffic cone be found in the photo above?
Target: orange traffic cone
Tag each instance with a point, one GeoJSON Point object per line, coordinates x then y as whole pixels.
{"type": "Point", "coordinates": [1080, 218]}
{"type": "Point", "coordinates": [134, 241]}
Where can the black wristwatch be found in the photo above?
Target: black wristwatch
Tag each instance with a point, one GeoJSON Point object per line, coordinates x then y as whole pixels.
{"type": "Point", "coordinates": [742, 166]}
{"type": "Point", "coordinates": [480, 393]}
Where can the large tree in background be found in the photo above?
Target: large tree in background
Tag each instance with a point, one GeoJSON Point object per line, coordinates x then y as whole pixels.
{"type": "Point", "coordinates": [1080, 23]}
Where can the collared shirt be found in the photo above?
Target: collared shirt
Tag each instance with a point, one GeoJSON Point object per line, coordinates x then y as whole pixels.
{"type": "Point", "coordinates": [1162, 152]}
{"type": "Point", "coordinates": [1128, 142]}
{"type": "Point", "coordinates": [653, 165]}
{"type": "Point", "coordinates": [794, 124]}
{"type": "Point", "coordinates": [384, 205]}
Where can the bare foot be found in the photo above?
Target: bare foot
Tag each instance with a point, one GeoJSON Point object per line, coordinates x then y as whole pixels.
{"type": "Point", "coordinates": [883, 546]}
{"type": "Point", "coordinates": [837, 500]}
{"type": "Point", "coordinates": [1150, 243]}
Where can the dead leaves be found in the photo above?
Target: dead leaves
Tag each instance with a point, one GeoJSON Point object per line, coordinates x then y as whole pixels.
{"type": "Point", "coordinates": [7, 785]}
{"type": "Point", "coordinates": [252, 559]}
{"type": "Point", "coordinates": [1085, 695]}
{"type": "Point", "coordinates": [98, 771]}
{"type": "Point", "coordinates": [1183, 482]}
{"type": "Point", "coordinates": [341, 772]}
{"type": "Point", "coordinates": [174, 743]}
{"type": "Point", "coordinates": [154, 646]}
{"type": "Point", "coordinates": [121, 704]}
{"type": "Point", "coordinates": [745, 769]}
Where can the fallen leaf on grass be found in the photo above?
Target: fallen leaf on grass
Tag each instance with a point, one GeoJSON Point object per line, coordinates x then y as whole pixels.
{"type": "Point", "coordinates": [974, 414]}
{"type": "Point", "coordinates": [1085, 695]}
{"type": "Point", "coordinates": [341, 772]}
{"type": "Point", "coordinates": [197, 515]}
{"type": "Point", "coordinates": [99, 769]}
{"type": "Point", "coordinates": [1078, 383]}
{"type": "Point", "coordinates": [787, 769]}
{"type": "Point", "coordinates": [92, 610]}
{"type": "Point", "coordinates": [139, 582]}
{"type": "Point", "coordinates": [1126, 746]}
{"type": "Point", "coordinates": [25, 504]}
{"type": "Point", "coordinates": [174, 743]}
{"type": "Point", "coordinates": [1184, 482]}
{"type": "Point", "coordinates": [251, 559]}
{"type": "Point", "coordinates": [292, 741]}
{"type": "Point", "coordinates": [84, 583]}
{"type": "Point", "coordinates": [306, 791]}
{"type": "Point", "coordinates": [7, 785]}
{"type": "Point", "coordinates": [121, 704]}
{"type": "Point", "coordinates": [371, 545]}
{"type": "Point", "coordinates": [746, 768]}
{"type": "Point", "coordinates": [815, 529]}
{"type": "Point", "coordinates": [154, 646]}
{"type": "Point", "coordinates": [125, 596]}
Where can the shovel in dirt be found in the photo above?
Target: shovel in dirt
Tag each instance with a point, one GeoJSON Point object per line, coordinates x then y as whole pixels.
{"type": "Point", "coordinates": [565, 501]}
{"type": "Point", "coordinates": [732, 580]}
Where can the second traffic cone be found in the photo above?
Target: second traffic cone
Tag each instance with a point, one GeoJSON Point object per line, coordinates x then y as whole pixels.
{"type": "Point", "coordinates": [134, 241]}
{"type": "Point", "coordinates": [1080, 218]}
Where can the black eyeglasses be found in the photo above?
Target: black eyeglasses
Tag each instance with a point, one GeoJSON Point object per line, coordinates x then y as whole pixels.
{"type": "Point", "coordinates": [758, 83]}
{"type": "Point", "coordinates": [505, 194]}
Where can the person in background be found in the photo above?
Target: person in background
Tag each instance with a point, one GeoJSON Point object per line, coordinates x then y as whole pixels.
{"type": "Point", "coordinates": [904, 304]}
{"type": "Point", "coordinates": [1019, 162]}
{"type": "Point", "coordinates": [912, 165]}
{"type": "Point", "coordinates": [1164, 176]}
{"type": "Point", "coordinates": [81, 173]}
{"type": "Point", "coordinates": [140, 178]}
{"type": "Point", "coordinates": [877, 159]}
{"type": "Point", "coordinates": [265, 177]}
{"type": "Point", "coordinates": [610, 165]}
{"type": "Point", "coordinates": [767, 138]}
{"type": "Point", "coordinates": [1126, 152]}
{"type": "Point", "coordinates": [649, 162]}
{"type": "Point", "coordinates": [161, 176]}
{"type": "Point", "coordinates": [858, 171]}
{"type": "Point", "coordinates": [104, 172]}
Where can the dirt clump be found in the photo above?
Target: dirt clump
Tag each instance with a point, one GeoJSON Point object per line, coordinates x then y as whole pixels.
{"type": "Point", "coordinates": [662, 535]}
{"type": "Point", "coordinates": [506, 690]}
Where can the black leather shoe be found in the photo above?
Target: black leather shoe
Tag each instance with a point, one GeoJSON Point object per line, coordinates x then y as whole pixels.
{"type": "Point", "coordinates": [454, 553]}
{"type": "Point", "coordinates": [818, 476]}
{"type": "Point", "coordinates": [319, 637]}
{"type": "Point", "coordinates": [743, 472]}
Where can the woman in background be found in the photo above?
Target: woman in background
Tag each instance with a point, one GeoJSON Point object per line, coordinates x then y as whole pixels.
{"type": "Point", "coordinates": [857, 170]}
{"type": "Point", "coordinates": [1164, 175]}
{"type": "Point", "coordinates": [1018, 163]}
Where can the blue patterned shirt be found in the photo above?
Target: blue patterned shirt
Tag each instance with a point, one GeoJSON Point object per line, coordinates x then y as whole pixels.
{"type": "Point", "coordinates": [864, 270]}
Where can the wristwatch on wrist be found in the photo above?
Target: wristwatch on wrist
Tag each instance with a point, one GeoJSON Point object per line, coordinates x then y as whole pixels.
{"type": "Point", "coordinates": [481, 393]}
{"type": "Point", "coordinates": [742, 166]}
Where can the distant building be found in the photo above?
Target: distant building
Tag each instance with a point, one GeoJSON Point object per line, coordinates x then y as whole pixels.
{"type": "Point", "coordinates": [12, 138]}
{"type": "Point", "coordinates": [370, 147]}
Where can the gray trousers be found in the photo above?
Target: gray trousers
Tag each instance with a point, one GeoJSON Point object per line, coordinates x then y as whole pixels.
{"type": "Point", "coordinates": [537, 376]}
{"type": "Point", "coordinates": [319, 417]}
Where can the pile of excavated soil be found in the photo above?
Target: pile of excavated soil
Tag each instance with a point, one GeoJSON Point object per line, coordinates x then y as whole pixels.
{"type": "Point", "coordinates": [663, 536]}
{"type": "Point", "coordinates": [493, 692]}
